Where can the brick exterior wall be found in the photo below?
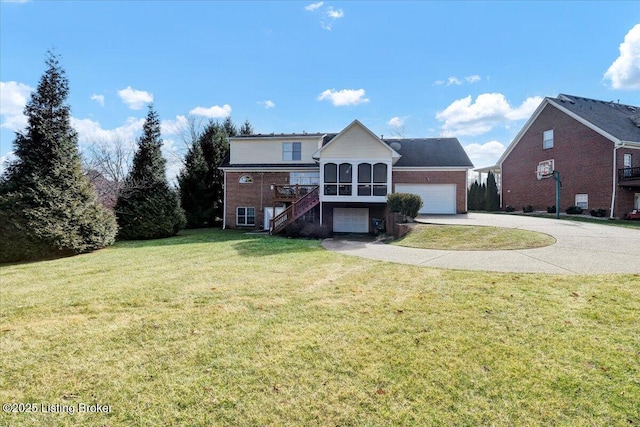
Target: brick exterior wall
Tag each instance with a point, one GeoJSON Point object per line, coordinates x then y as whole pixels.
{"type": "Point", "coordinates": [583, 157]}
{"type": "Point", "coordinates": [436, 177]}
{"type": "Point", "coordinates": [257, 194]}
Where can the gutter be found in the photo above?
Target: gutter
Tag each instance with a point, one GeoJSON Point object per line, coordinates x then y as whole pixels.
{"type": "Point", "coordinates": [615, 177]}
{"type": "Point", "coordinates": [224, 202]}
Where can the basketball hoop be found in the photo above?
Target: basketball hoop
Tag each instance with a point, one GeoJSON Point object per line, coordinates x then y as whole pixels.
{"type": "Point", "coordinates": [544, 169]}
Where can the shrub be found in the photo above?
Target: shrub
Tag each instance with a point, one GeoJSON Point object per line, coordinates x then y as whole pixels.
{"type": "Point", "coordinates": [308, 230]}
{"type": "Point", "coordinates": [394, 201]}
{"type": "Point", "coordinates": [407, 204]}
{"type": "Point", "coordinates": [509, 208]}
{"type": "Point", "coordinates": [600, 213]}
{"type": "Point", "coordinates": [551, 209]}
{"type": "Point", "coordinates": [527, 209]}
{"type": "Point", "coordinates": [574, 210]}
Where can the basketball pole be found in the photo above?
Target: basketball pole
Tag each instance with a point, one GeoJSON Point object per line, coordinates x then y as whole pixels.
{"type": "Point", "coordinates": [556, 176]}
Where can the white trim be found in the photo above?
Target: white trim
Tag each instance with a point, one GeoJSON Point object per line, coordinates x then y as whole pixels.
{"type": "Point", "coordinates": [271, 169]}
{"type": "Point", "coordinates": [432, 168]}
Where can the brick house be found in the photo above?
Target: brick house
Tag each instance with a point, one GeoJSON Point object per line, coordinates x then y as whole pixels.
{"type": "Point", "coordinates": [341, 180]}
{"type": "Point", "coordinates": [595, 147]}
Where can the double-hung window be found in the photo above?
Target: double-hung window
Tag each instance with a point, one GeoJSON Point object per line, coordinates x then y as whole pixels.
{"type": "Point", "coordinates": [547, 139]}
{"type": "Point", "coordinates": [245, 216]}
{"type": "Point", "coordinates": [582, 201]}
{"type": "Point", "coordinates": [291, 151]}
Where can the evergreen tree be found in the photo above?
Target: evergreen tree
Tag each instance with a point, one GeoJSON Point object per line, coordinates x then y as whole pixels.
{"type": "Point", "coordinates": [246, 128]}
{"type": "Point", "coordinates": [195, 193]}
{"type": "Point", "coordinates": [229, 127]}
{"type": "Point", "coordinates": [147, 208]}
{"type": "Point", "coordinates": [491, 198]}
{"type": "Point", "coordinates": [47, 205]}
{"type": "Point", "coordinates": [215, 148]}
{"type": "Point", "coordinates": [471, 196]}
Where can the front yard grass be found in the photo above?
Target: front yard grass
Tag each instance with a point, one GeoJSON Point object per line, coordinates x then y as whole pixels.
{"type": "Point", "coordinates": [472, 238]}
{"type": "Point", "coordinates": [221, 328]}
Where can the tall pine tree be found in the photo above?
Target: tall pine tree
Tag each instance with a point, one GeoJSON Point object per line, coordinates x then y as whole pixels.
{"type": "Point", "coordinates": [195, 193]}
{"type": "Point", "coordinates": [491, 197]}
{"type": "Point", "coordinates": [215, 148]}
{"type": "Point", "coordinates": [147, 208]}
{"type": "Point", "coordinates": [48, 207]}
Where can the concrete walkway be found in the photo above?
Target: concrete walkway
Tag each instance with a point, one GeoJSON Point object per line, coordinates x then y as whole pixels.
{"type": "Point", "coordinates": [580, 248]}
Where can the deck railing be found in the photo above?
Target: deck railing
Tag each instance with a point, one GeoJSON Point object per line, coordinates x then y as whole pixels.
{"type": "Point", "coordinates": [298, 208]}
{"type": "Point", "coordinates": [627, 174]}
{"type": "Point", "coordinates": [291, 192]}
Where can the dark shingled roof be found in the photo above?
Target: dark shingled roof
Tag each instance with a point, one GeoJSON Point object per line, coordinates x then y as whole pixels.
{"type": "Point", "coordinates": [430, 152]}
{"type": "Point", "coordinates": [421, 152]}
{"type": "Point", "coordinates": [619, 120]}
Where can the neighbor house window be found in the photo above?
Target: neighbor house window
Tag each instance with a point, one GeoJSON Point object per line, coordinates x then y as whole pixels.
{"type": "Point", "coordinates": [627, 165]}
{"type": "Point", "coordinates": [245, 216]}
{"type": "Point", "coordinates": [582, 201]}
{"type": "Point", "coordinates": [245, 179]}
{"type": "Point", "coordinates": [547, 139]}
{"type": "Point", "coordinates": [291, 151]}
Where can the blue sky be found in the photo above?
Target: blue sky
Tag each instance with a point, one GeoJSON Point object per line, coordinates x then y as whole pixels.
{"type": "Point", "coordinates": [474, 70]}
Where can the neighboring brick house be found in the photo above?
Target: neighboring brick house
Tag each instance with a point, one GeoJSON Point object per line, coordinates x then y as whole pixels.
{"type": "Point", "coordinates": [341, 180]}
{"type": "Point", "coordinates": [593, 145]}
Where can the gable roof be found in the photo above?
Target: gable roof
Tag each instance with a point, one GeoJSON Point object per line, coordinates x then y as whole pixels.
{"type": "Point", "coordinates": [612, 118]}
{"type": "Point", "coordinates": [394, 155]}
{"type": "Point", "coordinates": [617, 122]}
{"type": "Point", "coordinates": [430, 152]}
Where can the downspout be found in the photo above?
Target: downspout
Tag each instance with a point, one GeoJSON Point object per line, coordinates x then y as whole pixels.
{"type": "Point", "coordinates": [224, 202]}
{"type": "Point", "coordinates": [614, 178]}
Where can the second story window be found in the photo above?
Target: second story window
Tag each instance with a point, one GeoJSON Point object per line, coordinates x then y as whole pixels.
{"type": "Point", "coordinates": [291, 151]}
{"type": "Point", "coordinates": [547, 139]}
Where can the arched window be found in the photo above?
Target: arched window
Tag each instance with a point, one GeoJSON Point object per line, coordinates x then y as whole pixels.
{"type": "Point", "coordinates": [246, 179]}
{"type": "Point", "coordinates": [330, 179]}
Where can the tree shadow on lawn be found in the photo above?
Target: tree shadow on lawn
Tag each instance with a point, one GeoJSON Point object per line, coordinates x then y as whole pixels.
{"type": "Point", "coordinates": [261, 246]}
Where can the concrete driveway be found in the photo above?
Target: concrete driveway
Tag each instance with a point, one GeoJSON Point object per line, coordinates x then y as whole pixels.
{"type": "Point", "coordinates": [580, 248]}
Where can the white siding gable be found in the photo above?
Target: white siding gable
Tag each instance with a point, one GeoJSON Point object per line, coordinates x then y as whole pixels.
{"type": "Point", "coordinates": [268, 149]}
{"type": "Point", "coordinates": [355, 142]}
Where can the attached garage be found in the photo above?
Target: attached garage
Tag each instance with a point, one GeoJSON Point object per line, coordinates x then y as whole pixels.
{"type": "Point", "coordinates": [351, 220]}
{"type": "Point", "coordinates": [436, 198]}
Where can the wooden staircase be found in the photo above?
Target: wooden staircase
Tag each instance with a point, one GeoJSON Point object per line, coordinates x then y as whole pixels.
{"type": "Point", "coordinates": [297, 208]}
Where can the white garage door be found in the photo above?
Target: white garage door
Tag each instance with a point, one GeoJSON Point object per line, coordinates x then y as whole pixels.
{"type": "Point", "coordinates": [351, 220]}
{"type": "Point", "coordinates": [436, 198]}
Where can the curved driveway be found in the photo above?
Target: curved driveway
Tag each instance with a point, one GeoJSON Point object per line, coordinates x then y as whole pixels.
{"type": "Point", "coordinates": [580, 248]}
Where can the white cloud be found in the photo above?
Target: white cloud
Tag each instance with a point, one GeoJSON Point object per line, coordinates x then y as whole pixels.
{"type": "Point", "coordinates": [90, 130]}
{"type": "Point", "coordinates": [267, 104]}
{"type": "Point", "coordinates": [174, 127]}
{"type": "Point", "coordinates": [487, 154]}
{"type": "Point", "coordinates": [624, 73]}
{"type": "Point", "coordinates": [214, 112]}
{"type": "Point", "coordinates": [472, 79]}
{"type": "Point", "coordinates": [13, 98]}
{"type": "Point", "coordinates": [98, 98]}
{"type": "Point", "coordinates": [453, 81]}
{"type": "Point", "coordinates": [335, 14]}
{"type": "Point", "coordinates": [5, 160]}
{"type": "Point", "coordinates": [135, 99]}
{"type": "Point", "coordinates": [464, 117]}
{"type": "Point", "coordinates": [344, 97]}
{"type": "Point", "coordinates": [396, 122]}
{"type": "Point", "coordinates": [439, 82]}
{"type": "Point", "coordinates": [313, 6]}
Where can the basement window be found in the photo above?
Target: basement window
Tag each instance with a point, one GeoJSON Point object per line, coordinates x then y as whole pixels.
{"type": "Point", "coordinates": [582, 201]}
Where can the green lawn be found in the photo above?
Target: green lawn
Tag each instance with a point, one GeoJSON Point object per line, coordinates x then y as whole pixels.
{"type": "Point", "coordinates": [222, 328]}
{"type": "Point", "coordinates": [472, 238]}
